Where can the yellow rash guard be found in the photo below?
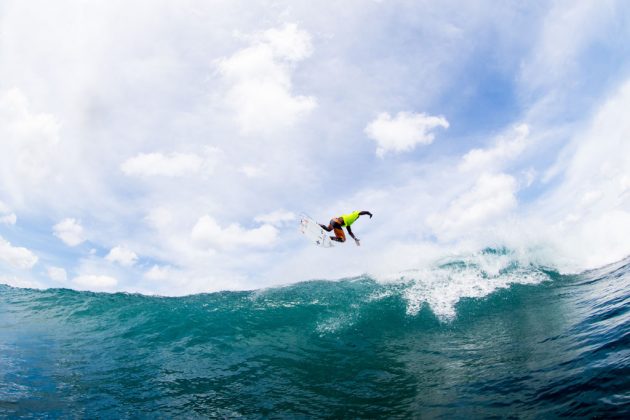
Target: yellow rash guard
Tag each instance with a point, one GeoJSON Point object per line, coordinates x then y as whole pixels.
{"type": "Point", "coordinates": [350, 218]}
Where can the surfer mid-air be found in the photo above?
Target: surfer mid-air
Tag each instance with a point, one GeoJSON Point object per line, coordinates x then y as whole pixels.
{"type": "Point", "coordinates": [338, 223]}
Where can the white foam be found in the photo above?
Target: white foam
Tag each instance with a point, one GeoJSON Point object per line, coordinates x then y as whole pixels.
{"type": "Point", "coordinates": [446, 282]}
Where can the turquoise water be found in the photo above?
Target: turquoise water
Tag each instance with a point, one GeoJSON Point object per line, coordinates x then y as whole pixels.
{"type": "Point", "coordinates": [353, 348]}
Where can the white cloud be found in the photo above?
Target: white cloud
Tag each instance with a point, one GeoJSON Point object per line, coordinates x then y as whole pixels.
{"type": "Point", "coordinates": [8, 219]}
{"type": "Point", "coordinates": [95, 282]}
{"type": "Point", "coordinates": [403, 132]}
{"type": "Point", "coordinates": [158, 273]}
{"type": "Point", "coordinates": [57, 274]}
{"type": "Point", "coordinates": [159, 217]}
{"type": "Point", "coordinates": [69, 231]}
{"type": "Point", "coordinates": [171, 165]}
{"type": "Point", "coordinates": [258, 80]}
{"type": "Point", "coordinates": [145, 106]}
{"type": "Point", "coordinates": [122, 255]}
{"type": "Point", "coordinates": [589, 210]}
{"type": "Point", "coordinates": [593, 241]}
{"type": "Point", "coordinates": [152, 164]}
{"type": "Point", "coordinates": [252, 171]}
{"type": "Point", "coordinates": [29, 141]}
{"type": "Point", "coordinates": [491, 196]}
{"type": "Point", "coordinates": [507, 147]}
{"type": "Point", "coordinates": [15, 256]}
{"type": "Point", "coordinates": [22, 282]}
{"type": "Point", "coordinates": [209, 233]}
{"type": "Point", "coordinates": [555, 56]}
{"type": "Point", "coordinates": [4, 208]}
{"type": "Point", "coordinates": [289, 42]}
{"type": "Point", "coordinates": [6, 216]}
{"type": "Point", "coordinates": [275, 218]}
{"type": "Point", "coordinates": [528, 177]}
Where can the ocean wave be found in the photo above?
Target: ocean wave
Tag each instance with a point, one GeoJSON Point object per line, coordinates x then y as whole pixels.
{"type": "Point", "coordinates": [489, 332]}
{"type": "Point", "coordinates": [442, 285]}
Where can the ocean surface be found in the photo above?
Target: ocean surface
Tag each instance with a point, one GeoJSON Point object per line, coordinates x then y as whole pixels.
{"type": "Point", "coordinates": [478, 337]}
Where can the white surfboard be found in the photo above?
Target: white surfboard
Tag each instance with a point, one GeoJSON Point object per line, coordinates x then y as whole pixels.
{"type": "Point", "coordinates": [314, 232]}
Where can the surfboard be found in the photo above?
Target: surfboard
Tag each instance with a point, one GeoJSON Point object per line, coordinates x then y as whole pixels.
{"type": "Point", "coordinates": [314, 232]}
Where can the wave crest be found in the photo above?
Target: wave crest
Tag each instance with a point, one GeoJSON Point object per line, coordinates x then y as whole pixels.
{"type": "Point", "coordinates": [444, 284]}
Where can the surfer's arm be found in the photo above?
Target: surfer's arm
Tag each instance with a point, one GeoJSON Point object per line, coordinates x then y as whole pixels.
{"type": "Point", "coordinates": [352, 234]}
{"type": "Point", "coordinates": [362, 213]}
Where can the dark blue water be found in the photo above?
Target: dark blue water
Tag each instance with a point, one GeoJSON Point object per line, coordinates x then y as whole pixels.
{"type": "Point", "coordinates": [352, 348]}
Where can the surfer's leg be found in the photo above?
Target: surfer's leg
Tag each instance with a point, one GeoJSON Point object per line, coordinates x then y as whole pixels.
{"type": "Point", "coordinates": [326, 228]}
{"type": "Point", "coordinates": [333, 224]}
{"type": "Point", "coordinates": [339, 235]}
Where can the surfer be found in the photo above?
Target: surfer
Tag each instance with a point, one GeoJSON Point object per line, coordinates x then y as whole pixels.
{"type": "Point", "coordinates": [337, 223]}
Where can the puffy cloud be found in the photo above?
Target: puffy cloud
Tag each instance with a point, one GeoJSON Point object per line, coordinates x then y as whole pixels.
{"type": "Point", "coordinates": [258, 80]}
{"type": "Point", "coordinates": [491, 196]}
{"type": "Point", "coordinates": [57, 274]}
{"type": "Point", "coordinates": [289, 42]}
{"type": "Point", "coordinates": [403, 132]}
{"type": "Point", "coordinates": [15, 256]}
{"type": "Point", "coordinates": [95, 282]}
{"type": "Point", "coordinates": [505, 148]}
{"type": "Point", "coordinates": [69, 231]}
{"type": "Point", "coordinates": [209, 233]}
{"type": "Point", "coordinates": [158, 273]}
{"type": "Point", "coordinates": [122, 255]}
{"type": "Point", "coordinates": [151, 164]}
{"type": "Point", "coordinates": [171, 165]}
{"type": "Point", "coordinates": [277, 217]}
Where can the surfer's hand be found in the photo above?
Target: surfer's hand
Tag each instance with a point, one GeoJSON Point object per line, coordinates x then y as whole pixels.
{"type": "Point", "coordinates": [356, 240]}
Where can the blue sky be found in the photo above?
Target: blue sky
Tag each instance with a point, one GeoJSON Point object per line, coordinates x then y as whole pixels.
{"type": "Point", "coordinates": [166, 148]}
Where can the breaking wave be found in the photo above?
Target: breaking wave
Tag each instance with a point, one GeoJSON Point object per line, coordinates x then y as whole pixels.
{"type": "Point", "coordinates": [485, 335]}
